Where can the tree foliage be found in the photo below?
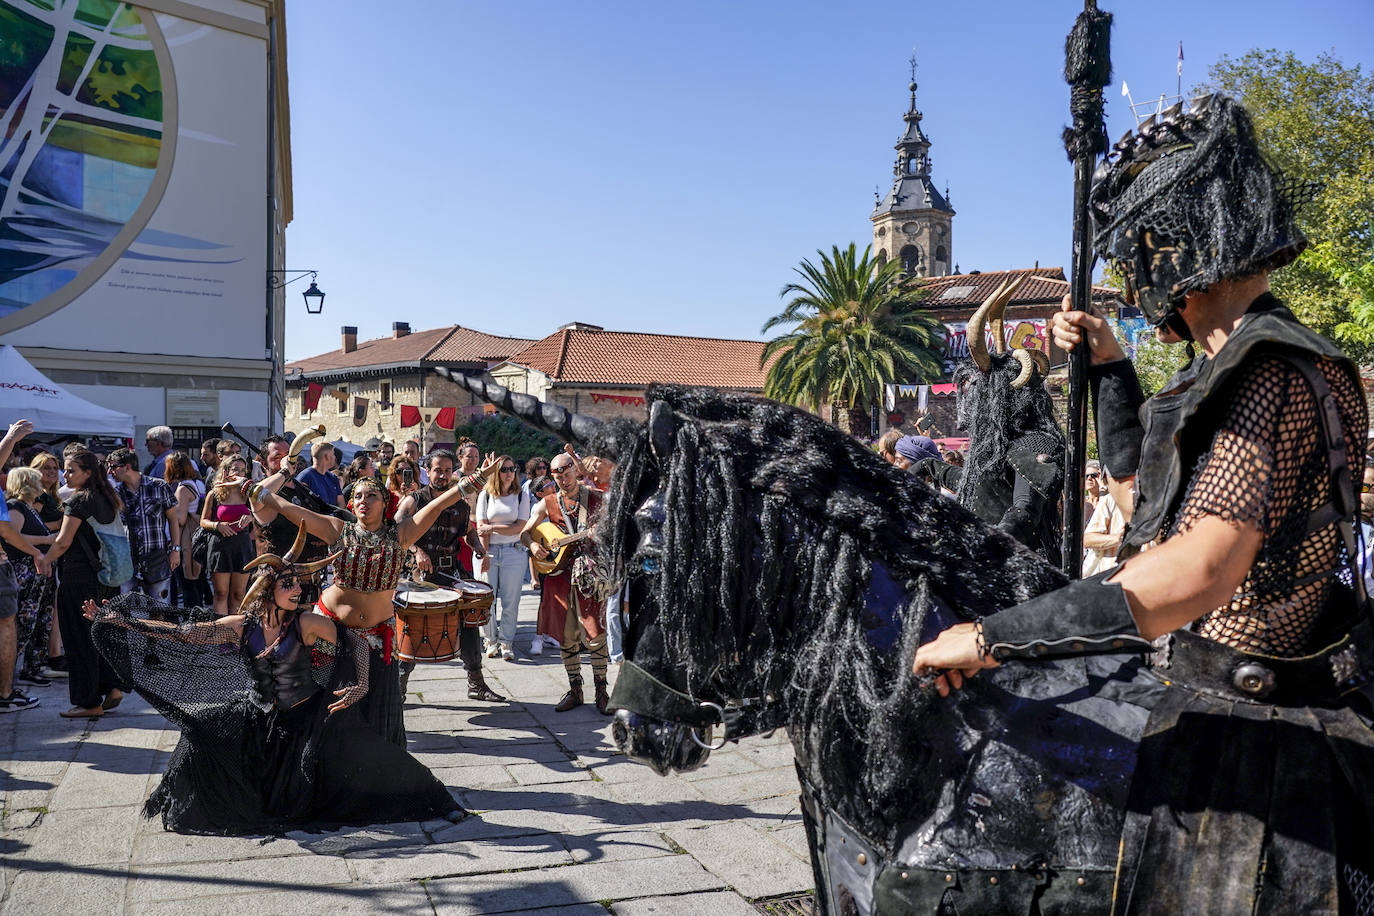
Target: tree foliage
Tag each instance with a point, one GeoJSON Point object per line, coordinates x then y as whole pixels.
{"type": "Point", "coordinates": [1316, 122]}
{"type": "Point", "coordinates": [854, 325]}
{"type": "Point", "coordinates": [508, 436]}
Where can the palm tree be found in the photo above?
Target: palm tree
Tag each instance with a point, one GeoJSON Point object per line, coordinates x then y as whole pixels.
{"type": "Point", "coordinates": [856, 325]}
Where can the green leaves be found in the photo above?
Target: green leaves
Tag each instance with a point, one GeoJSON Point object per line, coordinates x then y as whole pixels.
{"type": "Point", "coordinates": [854, 325]}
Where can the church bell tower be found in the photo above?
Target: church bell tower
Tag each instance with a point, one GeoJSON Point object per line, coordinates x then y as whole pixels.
{"type": "Point", "coordinates": [913, 222]}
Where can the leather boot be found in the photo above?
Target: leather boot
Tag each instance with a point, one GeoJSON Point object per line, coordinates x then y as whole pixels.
{"type": "Point", "coordinates": [478, 689]}
{"type": "Point", "coordinates": [603, 697]}
{"type": "Point", "coordinates": [573, 698]}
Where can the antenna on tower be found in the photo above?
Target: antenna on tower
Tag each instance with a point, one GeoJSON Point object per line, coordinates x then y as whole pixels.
{"type": "Point", "coordinates": [1142, 110]}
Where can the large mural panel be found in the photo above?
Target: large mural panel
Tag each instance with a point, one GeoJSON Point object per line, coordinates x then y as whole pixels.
{"type": "Point", "coordinates": [132, 169]}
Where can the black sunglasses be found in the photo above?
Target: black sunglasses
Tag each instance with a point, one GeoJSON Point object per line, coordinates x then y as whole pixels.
{"type": "Point", "coordinates": [1092, 476]}
{"type": "Point", "coordinates": [508, 469]}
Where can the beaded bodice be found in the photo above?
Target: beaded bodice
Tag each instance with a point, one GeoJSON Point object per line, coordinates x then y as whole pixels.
{"type": "Point", "coordinates": [371, 560]}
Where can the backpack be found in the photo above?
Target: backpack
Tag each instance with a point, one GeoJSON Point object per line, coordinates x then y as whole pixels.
{"type": "Point", "coordinates": [116, 559]}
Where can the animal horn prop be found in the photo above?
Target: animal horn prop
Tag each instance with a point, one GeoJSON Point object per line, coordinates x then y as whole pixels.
{"type": "Point", "coordinates": [989, 315]}
{"type": "Point", "coordinates": [305, 435]}
{"type": "Point", "coordinates": [566, 425]}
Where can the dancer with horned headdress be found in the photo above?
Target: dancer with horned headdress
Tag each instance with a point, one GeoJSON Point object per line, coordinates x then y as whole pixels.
{"type": "Point", "coordinates": [1014, 472]}
{"type": "Point", "coordinates": [372, 553]}
{"type": "Point", "coordinates": [265, 700]}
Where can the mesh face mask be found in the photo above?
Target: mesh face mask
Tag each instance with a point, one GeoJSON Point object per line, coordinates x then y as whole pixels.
{"type": "Point", "coordinates": [1187, 201]}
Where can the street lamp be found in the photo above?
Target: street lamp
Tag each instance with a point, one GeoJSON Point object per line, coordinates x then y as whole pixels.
{"type": "Point", "coordinates": [314, 296]}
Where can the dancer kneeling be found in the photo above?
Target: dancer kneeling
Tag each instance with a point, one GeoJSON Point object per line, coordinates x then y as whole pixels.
{"type": "Point", "coordinates": [269, 741]}
{"type": "Point", "coordinates": [372, 552]}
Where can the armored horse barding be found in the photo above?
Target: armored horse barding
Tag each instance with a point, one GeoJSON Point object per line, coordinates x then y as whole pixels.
{"type": "Point", "coordinates": [782, 575]}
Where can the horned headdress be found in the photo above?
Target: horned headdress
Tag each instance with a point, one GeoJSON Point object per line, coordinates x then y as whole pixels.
{"type": "Point", "coordinates": [286, 563]}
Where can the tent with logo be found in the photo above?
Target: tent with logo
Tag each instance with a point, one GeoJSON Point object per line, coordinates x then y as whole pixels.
{"type": "Point", "coordinates": [27, 394]}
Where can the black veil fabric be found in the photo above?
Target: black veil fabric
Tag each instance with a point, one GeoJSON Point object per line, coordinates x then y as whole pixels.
{"type": "Point", "coordinates": [244, 766]}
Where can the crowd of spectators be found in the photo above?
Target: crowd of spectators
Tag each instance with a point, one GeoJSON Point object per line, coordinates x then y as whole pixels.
{"type": "Point", "coordinates": [184, 532]}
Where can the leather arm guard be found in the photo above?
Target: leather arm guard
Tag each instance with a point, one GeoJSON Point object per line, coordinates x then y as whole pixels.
{"type": "Point", "coordinates": [1023, 515]}
{"type": "Point", "coordinates": [1117, 399]}
{"type": "Point", "coordinates": [1087, 617]}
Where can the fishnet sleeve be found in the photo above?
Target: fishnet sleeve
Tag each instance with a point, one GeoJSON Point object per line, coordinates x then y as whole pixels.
{"type": "Point", "coordinates": [324, 653]}
{"type": "Point", "coordinates": [132, 611]}
{"type": "Point", "coordinates": [1251, 475]}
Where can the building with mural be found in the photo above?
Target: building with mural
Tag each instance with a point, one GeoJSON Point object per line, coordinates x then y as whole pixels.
{"type": "Point", "coordinates": [145, 189]}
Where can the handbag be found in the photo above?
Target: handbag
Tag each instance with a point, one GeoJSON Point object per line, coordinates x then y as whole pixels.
{"type": "Point", "coordinates": [200, 547]}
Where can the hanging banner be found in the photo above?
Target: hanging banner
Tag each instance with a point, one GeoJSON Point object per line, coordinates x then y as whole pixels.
{"type": "Point", "coordinates": [447, 418]}
{"type": "Point", "coordinates": [312, 396]}
{"type": "Point", "coordinates": [427, 415]}
{"type": "Point", "coordinates": [472, 412]}
{"type": "Point", "coordinates": [624, 400]}
{"type": "Point", "coordinates": [340, 395]}
{"type": "Point", "coordinates": [359, 411]}
{"type": "Point", "coordinates": [410, 415]}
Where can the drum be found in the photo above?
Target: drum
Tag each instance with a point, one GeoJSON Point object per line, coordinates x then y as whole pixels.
{"type": "Point", "coordinates": [474, 603]}
{"type": "Point", "coordinates": [427, 622]}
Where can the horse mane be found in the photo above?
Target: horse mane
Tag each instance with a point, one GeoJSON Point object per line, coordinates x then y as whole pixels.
{"type": "Point", "coordinates": [775, 522]}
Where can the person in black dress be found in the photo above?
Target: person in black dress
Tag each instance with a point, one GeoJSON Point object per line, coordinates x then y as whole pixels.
{"type": "Point", "coordinates": [265, 699]}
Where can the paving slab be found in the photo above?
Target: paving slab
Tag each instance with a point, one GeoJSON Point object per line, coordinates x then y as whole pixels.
{"type": "Point", "coordinates": [405, 899]}
{"type": "Point", "coordinates": [470, 857]}
{"type": "Point", "coordinates": [719, 903]}
{"type": "Point", "coordinates": [748, 859]}
{"type": "Point", "coordinates": [591, 883]}
{"type": "Point", "coordinates": [89, 836]}
{"type": "Point", "coordinates": [89, 891]}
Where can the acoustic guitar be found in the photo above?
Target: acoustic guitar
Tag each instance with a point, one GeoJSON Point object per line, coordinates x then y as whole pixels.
{"type": "Point", "coordinates": [559, 545]}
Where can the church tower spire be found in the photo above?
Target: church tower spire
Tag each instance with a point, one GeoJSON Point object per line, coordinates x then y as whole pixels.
{"type": "Point", "coordinates": [914, 220]}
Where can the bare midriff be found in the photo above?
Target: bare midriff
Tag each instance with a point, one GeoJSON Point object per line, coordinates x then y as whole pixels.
{"type": "Point", "coordinates": [357, 609]}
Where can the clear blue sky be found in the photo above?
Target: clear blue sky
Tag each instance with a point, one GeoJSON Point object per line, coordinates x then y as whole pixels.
{"type": "Point", "coordinates": [663, 167]}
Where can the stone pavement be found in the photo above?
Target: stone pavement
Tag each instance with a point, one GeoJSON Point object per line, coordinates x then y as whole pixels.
{"type": "Point", "coordinates": [564, 826]}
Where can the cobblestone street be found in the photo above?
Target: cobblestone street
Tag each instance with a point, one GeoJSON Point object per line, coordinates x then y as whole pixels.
{"type": "Point", "coordinates": [562, 823]}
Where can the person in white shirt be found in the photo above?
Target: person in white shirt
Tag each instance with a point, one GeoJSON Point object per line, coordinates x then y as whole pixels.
{"type": "Point", "coordinates": [1103, 534]}
{"type": "Point", "coordinates": [502, 510]}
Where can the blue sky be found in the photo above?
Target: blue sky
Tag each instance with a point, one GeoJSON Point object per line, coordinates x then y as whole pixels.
{"type": "Point", "coordinates": [647, 166]}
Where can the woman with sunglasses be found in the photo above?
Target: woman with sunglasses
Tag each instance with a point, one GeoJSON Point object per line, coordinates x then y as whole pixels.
{"type": "Point", "coordinates": [270, 738]}
{"type": "Point", "coordinates": [372, 554]}
{"type": "Point", "coordinates": [502, 510]}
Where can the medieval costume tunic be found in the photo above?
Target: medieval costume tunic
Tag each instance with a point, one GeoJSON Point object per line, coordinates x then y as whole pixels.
{"type": "Point", "coordinates": [259, 751]}
{"type": "Point", "coordinates": [573, 618]}
{"type": "Point", "coordinates": [372, 562]}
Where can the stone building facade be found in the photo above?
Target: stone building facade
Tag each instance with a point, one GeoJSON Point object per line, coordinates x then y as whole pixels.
{"type": "Point", "coordinates": [391, 373]}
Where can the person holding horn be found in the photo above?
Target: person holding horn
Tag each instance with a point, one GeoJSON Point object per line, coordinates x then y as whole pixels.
{"type": "Point", "coordinates": [276, 532]}
{"type": "Point", "coordinates": [372, 553]}
{"type": "Point", "coordinates": [270, 737]}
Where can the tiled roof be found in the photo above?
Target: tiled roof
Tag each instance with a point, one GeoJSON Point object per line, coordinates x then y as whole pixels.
{"type": "Point", "coordinates": [579, 356]}
{"type": "Point", "coordinates": [446, 345]}
{"type": "Point", "coordinates": [1047, 285]}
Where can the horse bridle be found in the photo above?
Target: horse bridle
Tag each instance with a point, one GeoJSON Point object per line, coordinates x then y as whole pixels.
{"type": "Point", "coordinates": [639, 691]}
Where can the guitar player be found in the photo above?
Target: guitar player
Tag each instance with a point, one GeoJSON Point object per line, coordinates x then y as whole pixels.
{"type": "Point", "coordinates": [574, 619]}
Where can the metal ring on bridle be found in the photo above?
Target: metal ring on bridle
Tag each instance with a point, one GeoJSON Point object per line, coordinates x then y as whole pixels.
{"type": "Point", "coordinates": [692, 732]}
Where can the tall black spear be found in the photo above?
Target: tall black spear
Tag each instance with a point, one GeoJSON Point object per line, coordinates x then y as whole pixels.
{"type": "Point", "coordinates": [1087, 68]}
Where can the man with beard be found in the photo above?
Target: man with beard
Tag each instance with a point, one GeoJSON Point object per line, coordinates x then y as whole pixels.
{"type": "Point", "coordinates": [574, 619]}
{"type": "Point", "coordinates": [436, 558]}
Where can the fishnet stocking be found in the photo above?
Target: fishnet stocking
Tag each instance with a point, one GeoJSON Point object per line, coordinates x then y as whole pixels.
{"type": "Point", "coordinates": [1267, 468]}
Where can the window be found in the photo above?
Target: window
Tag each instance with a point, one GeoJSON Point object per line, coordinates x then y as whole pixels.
{"type": "Point", "coordinates": [384, 396]}
{"type": "Point", "coordinates": [305, 393]}
{"type": "Point", "coordinates": [911, 259]}
{"type": "Point", "coordinates": [343, 400]}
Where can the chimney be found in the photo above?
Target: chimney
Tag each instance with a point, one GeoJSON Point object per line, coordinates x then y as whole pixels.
{"type": "Point", "coordinates": [350, 338]}
{"type": "Point", "coordinates": [400, 328]}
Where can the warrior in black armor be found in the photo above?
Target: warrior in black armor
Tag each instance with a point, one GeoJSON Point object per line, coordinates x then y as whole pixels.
{"type": "Point", "coordinates": [1014, 472]}
{"type": "Point", "coordinates": [1251, 792]}
{"type": "Point", "coordinates": [264, 699]}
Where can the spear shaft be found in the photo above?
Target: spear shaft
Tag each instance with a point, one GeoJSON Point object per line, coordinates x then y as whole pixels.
{"type": "Point", "coordinates": [1087, 68]}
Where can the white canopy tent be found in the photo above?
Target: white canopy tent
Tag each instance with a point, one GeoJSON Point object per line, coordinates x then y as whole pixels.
{"type": "Point", "coordinates": [27, 394]}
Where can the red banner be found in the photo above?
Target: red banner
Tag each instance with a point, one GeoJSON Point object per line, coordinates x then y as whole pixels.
{"type": "Point", "coordinates": [624, 400]}
{"type": "Point", "coordinates": [410, 416]}
{"type": "Point", "coordinates": [312, 396]}
{"type": "Point", "coordinates": [447, 418]}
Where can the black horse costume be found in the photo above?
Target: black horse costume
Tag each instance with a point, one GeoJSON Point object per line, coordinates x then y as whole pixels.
{"type": "Point", "coordinates": [781, 575]}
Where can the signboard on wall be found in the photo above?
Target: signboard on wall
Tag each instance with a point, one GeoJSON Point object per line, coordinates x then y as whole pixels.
{"type": "Point", "coordinates": [193, 407]}
{"type": "Point", "coordinates": [1026, 334]}
{"type": "Point", "coordinates": [130, 143]}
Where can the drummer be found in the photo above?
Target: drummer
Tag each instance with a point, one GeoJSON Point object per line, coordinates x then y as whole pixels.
{"type": "Point", "coordinates": [365, 576]}
{"type": "Point", "coordinates": [439, 558]}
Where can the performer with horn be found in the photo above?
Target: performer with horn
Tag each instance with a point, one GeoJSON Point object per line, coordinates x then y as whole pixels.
{"type": "Point", "coordinates": [1014, 472]}
{"type": "Point", "coordinates": [276, 531]}
{"type": "Point", "coordinates": [270, 739]}
{"type": "Point", "coordinates": [372, 553]}
{"type": "Point", "coordinates": [1251, 791]}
